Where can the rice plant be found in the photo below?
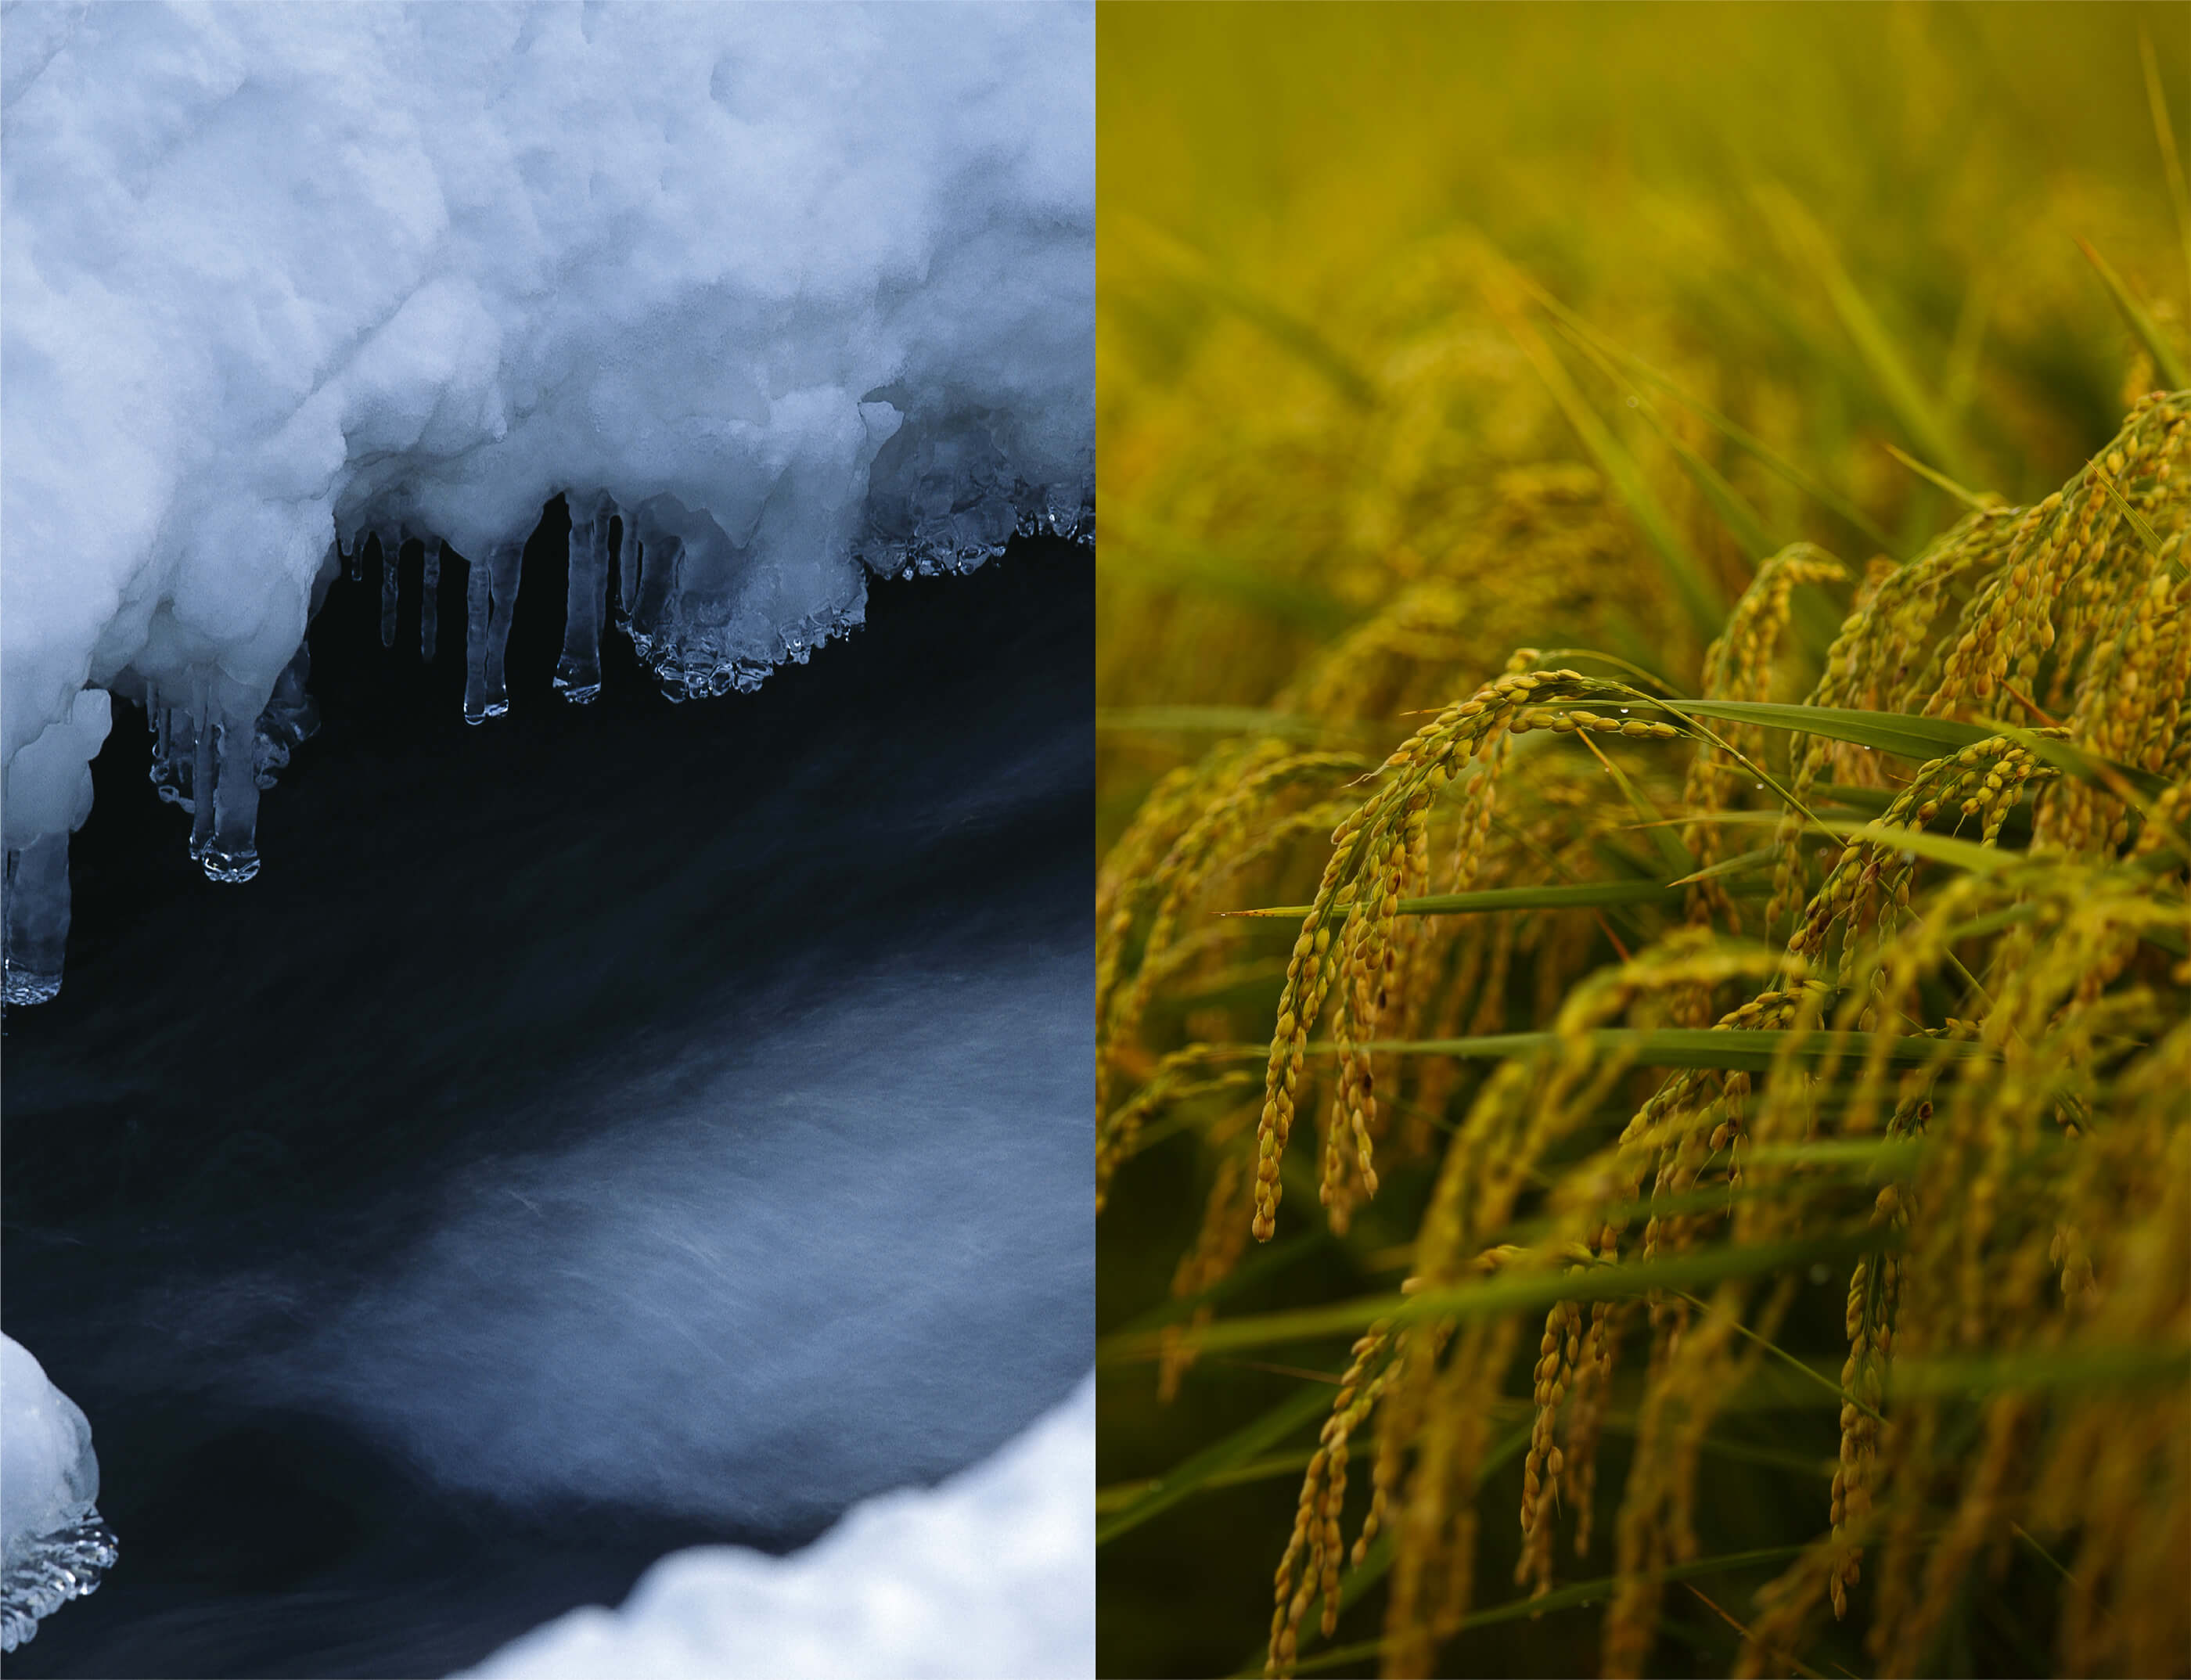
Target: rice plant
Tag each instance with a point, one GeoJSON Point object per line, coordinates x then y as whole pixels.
{"type": "Point", "coordinates": [1643, 1118]}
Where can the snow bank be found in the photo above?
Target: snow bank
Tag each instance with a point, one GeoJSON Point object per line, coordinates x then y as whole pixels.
{"type": "Point", "coordinates": [991, 1573]}
{"type": "Point", "coordinates": [769, 291]}
{"type": "Point", "coordinates": [55, 1546]}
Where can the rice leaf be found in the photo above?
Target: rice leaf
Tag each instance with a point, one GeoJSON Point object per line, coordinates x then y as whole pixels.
{"type": "Point", "coordinates": [1220, 721]}
{"type": "Point", "coordinates": [1694, 1046]}
{"type": "Point", "coordinates": [1121, 1495]}
{"type": "Point", "coordinates": [1272, 1258]}
{"type": "Point", "coordinates": [2145, 534]}
{"type": "Point", "coordinates": [1749, 442]}
{"type": "Point", "coordinates": [2166, 361]}
{"type": "Point", "coordinates": [1354, 1582]}
{"type": "Point", "coordinates": [1527, 1292]}
{"type": "Point", "coordinates": [1235, 1450]}
{"type": "Point", "coordinates": [1969, 498]}
{"type": "Point", "coordinates": [1177, 562]}
{"type": "Point", "coordinates": [2164, 133]}
{"type": "Point", "coordinates": [1672, 852]}
{"type": "Point", "coordinates": [1906, 736]}
{"type": "Point", "coordinates": [1707, 607]}
{"type": "Point", "coordinates": [1586, 896]}
{"type": "Point", "coordinates": [1580, 1594]}
{"type": "Point", "coordinates": [1744, 864]}
{"type": "Point", "coordinates": [1298, 338]}
{"type": "Point", "coordinates": [1927, 424]}
{"type": "Point", "coordinates": [1743, 521]}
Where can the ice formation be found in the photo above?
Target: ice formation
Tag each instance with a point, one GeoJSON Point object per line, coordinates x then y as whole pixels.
{"type": "Point", "coordinates": [993, 1574]}
{"type": "Point", "coordinates": [56, 1548]}
{"type": "Point", "coordinates": [777, 296]}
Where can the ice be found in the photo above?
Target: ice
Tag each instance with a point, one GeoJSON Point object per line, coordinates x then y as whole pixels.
{"type": "Point", "coordinates": [991, 1573]}
{"type": "Point", "coordinates": [780, 297]}
{"type": "Point", "coordinates": [429, 592]}
{"type": "Point", "coordinates": [391, 554]}
{"type": "Point", "coordinates": [56, 1548]}
{"type": "Point", "coordinates": [578, 672]}
{"type": "Point", "coordinates": [48, 795]}
{"type": "Point", "coordinates": [489, 602]}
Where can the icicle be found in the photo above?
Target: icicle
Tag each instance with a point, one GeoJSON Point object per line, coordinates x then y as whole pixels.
{"type": "Point", "coordinates": [627, 568]}
{"type": "Point", "coordinates": [232, 852]}
{"type": "Point", "coordinates": [290, 720]}
{"type": "Point", "coordinates": [505, 562]}
{"type": "Point", "coordinates": [174, 752]}
{"type": "Point", "coordinates": [391, 554]}
{"type": "Point", "coordinates": [1062, 508]}
{"type": "Point", "coordinates": [429, 602]}
{"type": "Point", "coordinates": [36, 914]}
{"type": "Point", "coordinates": [204, 733]}
{"type": "Point", "coordinates": [174, 745]}
{"type": "Point", "coordinates": [578, 673]}
{"type": "Point", "coordinates": [354, 557]}
{"type": "Point", "coordinates": [475, 624]}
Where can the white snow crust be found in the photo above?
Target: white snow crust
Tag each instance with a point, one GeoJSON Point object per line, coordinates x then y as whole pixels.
{"type": "Point", "coordinates": [785, 284]}
{"type": "Point", "coordinates": [53, 1546]}
{"type": "Point", "coordinates": [991, 1574]}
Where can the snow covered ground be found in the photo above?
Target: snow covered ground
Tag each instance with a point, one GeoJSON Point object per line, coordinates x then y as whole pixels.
{"type": "Point", "coordinates": [770, 291]}
{"type": "Point", "coordinates": [991, 1576]}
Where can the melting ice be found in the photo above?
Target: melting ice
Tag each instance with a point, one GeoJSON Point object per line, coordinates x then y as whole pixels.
{"type": "Point", "coordinates": [56, 1548]}
{"type": "Point", "coordinates": [780, 297]}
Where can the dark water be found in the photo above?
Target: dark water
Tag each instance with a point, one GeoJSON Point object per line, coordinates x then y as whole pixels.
{"type": "Point", "coordinates": [607, 1129]}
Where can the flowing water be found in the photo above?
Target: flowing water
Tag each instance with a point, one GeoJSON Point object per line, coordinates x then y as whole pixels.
{"type": "Point", "coordinates": [609, 1128]}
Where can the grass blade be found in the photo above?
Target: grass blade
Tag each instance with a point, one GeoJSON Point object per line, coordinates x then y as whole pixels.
{"type": "Point", "coordinates": [2165, 360]}
{"type": "Point", "coordinates": [1707, 607]}
{"type": "Point", "coordinates": [1743, 439]}
{"type": "Point", "coordinates": [1222, 720]}
{"type": "Point", "coordinates": [1235, 1450]}
{"type": "Point", "coordinates": [1582, 1593]}
{"type": "Point", "coordinates": [1298, 338]}
{"type": "Point", "coordinates": [2146, 533]}
{"type": "Point", "coordinates": [1742, 521]}
{"type": "Point", "coordinates": [1355, 1582]}
{"type": "Point", "coordinates": [1695, 1046]}
{"type": "Point", "coordinates": [1926, 425]}
{"type": "Point", "coordinates": [2163, 134]}
{"type": "Point", "coordinates": [1747, 862]}
{"type": "Point", "coordinates": [1174, 562]}
{"type": "Point", "coordinates": [1909, 737]}
{"type": "Point", "coordinates": [1525, 1292]}
{"type": "Point", "coordinates": [1969, 498]}
{"type": "Point", "coordinates": [1121, 1495]}
{"type": "Point", "coordinates": [1583, 896]}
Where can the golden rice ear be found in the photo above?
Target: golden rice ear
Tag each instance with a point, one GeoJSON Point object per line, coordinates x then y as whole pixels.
{"type": "Point", "coordinates": [1852, 1257]}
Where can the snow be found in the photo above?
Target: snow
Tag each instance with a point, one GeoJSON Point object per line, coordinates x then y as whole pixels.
{"type": "Point", "coordinates": [794, 288]}
{"type": "Point", "coordinates": [55, 1548]}
{"type": "Point", "coordinates": [991, 1573]}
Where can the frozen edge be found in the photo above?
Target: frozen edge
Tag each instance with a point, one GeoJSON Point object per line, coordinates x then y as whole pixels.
{"type": "Point", "coordinates": [990, 1574]}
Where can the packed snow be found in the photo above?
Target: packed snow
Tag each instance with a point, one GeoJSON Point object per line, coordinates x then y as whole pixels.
{"type": "Point", "coordinates": [777, 296]}
{"type": "Point", "coordinates": [993, 1574]}
{"type": "Point", "coordinates": [55, 1546]}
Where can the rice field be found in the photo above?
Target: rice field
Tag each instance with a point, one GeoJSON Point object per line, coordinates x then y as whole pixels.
{"type": "Point", "coordinates": [1643, 970]}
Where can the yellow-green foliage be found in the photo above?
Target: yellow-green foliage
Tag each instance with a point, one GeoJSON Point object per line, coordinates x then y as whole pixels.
{"type": "Point", "coordinates": [1501, 411]}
